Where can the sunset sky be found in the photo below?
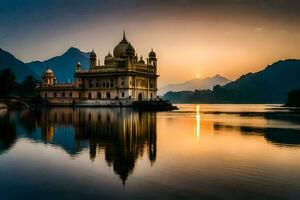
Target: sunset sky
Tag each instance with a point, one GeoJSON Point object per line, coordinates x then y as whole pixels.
{"type": "Point", "coordinates": [190, 37]}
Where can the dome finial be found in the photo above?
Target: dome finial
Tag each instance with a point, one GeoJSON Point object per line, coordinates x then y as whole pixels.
{"type": "Point", "coordinates": [124, 35]}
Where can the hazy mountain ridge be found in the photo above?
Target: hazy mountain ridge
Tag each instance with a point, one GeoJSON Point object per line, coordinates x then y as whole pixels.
{"type": "Point", "coordinates": [63, 65]}
{"type": "Point", "coordinates": [19, 68]}
{"type": "Point", "coordinates": [195, 84]}
{"type": "Point", "coordinates": [270, 85]}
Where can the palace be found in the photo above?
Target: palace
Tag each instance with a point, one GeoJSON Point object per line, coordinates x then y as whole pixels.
{"type": "Point", "coordinates": [123, 79]}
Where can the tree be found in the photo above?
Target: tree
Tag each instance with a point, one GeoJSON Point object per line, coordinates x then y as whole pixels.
{"type": "Point", "coordinates": [28, 86]}
{"type": "Point", "coordinates": [293, 98]}
{"type": "Point", "coordinates": [8, 83]}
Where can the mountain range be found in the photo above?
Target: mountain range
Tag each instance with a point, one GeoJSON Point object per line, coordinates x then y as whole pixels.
{"type": "Point", "coordinates": [19, 68]}
{"type": "Point", "coordinates": [63, 66]}
{"type": "Point", "coordinates": [195, 84]}
{"type": "Point", "coordinates": [270, 85]}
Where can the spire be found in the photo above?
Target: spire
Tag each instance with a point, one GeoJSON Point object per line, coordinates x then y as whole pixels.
{"type": "Point", "coordinates": [124, 40]}
{"type": "Point", "coordinates": [124, 35]}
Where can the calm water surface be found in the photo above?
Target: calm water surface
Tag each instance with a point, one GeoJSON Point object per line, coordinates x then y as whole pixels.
{"type": "Point", "coordinates": [198, 152]}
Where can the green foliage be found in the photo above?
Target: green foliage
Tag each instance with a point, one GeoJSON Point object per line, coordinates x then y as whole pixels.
{"type": "Point", "coordinates": [8, 84]}
{"type": "Point", "coordinates": [28, 86]}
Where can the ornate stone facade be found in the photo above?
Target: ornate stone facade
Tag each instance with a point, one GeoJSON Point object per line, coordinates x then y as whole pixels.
{"type": "Point", "coordinates": [123, 79]}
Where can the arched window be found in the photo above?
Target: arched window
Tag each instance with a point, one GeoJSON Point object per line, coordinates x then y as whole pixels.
{"type": "Point", "coordinates": [46, 95]}
{"type": "Point", "coordinates": [55, 94]}
{"type": "Point", "coordinates": [90, 95]}
{"type": "Point", "coordinates": [151, 95]}
{"type": "Point", "coordinates": [79, 95]}
{"type": "Point", "coordinates": [99, 95]}
{"type": "Point", "coordinates": [63, 94]}
{"type": "Point", "coordinates": [140, 96]}
{"type": "Point", "coordinates": [108, 95]}
{"type": "Point", "coordinates": [123, 94]}
{"type": "Point", "coordinates": [70, 94]}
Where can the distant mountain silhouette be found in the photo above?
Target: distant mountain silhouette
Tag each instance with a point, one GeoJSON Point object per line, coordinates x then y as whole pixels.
{"type": "Point", "coordinates": [20, 69]}
{"type": "Point", "coordinates": [64, 65]}
{"type": "Point", "coordinates": [270, 85]}
{"type": "Point", "coordinates": [195, 84]}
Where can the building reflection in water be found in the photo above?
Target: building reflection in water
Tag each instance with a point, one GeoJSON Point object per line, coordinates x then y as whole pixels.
{"type": "Point", "coordinates": [122, 133]}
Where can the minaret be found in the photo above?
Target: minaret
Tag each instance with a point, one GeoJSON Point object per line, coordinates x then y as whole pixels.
{"type": "Point", "coordinates": [78, 67]}
{"type": "Point", "coordinates": [48, 77]}
{"type": "Point", "coordinates": [130, 53]}
{"type": "Point", "coordinates": [93, 59]}
{"type": "Point", "coordinates": [152, 60]}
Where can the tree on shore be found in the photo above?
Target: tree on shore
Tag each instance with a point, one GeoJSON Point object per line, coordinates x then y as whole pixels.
{"type": "Point", "coordinates": [28, 86]}
{"type": "Point", "coordinates": [9, 86]}
{"type": "Point", "coordinates": [8, 83]}
{"type": "Point", "coordinates": [293, 98]}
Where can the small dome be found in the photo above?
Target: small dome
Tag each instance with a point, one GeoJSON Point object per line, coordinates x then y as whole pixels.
{"type": "Point", "coordinates": [141, 61]}
{"type": "Point", "coordinates": [152, 54]}
{"type": "Point", "coordinates": [130, 50]}
{"type": "Point", "coordinates": [108, 55]}
{"type": "Point", "coordinates": [48, 71]}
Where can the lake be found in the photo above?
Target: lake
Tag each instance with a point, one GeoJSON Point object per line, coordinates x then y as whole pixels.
{"type": "Point", "coordinates": [197, 152]}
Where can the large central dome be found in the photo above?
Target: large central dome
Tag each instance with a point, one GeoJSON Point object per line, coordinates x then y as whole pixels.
{"type": "Point", "coordinates": [120, 49]}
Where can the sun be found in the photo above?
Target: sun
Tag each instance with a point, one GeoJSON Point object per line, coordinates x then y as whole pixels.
{"type": "Point", "coordinates": [197, 76]}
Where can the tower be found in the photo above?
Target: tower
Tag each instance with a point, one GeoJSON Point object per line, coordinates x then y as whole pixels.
{"type": "Point", "coordinates": [152, 60]}
{"type": "Point", "coordinates": [130, 53]}
{"type": "Point", "coordinates": [78, 67]}
{"type": "Point", "coordinates": [93, 59]}
{"type": "Point", "coordinates": [48, 78]}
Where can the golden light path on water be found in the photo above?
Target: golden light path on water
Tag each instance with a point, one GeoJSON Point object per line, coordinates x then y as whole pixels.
{"type": "Point", "coordinates": [198, 120]}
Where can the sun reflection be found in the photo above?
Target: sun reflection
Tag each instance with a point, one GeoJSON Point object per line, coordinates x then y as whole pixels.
{"type": "Point", "coordinates": [197, 128]}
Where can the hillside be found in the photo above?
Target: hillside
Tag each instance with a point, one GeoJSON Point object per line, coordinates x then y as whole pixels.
{"type": "Point", "coordinates": [63, 65]}
{"type": "Point", "coordinates": [270, 85]}
{"type": "Point", "coordinates": [195, 84]}
{"type": "Point", "coordinates": [20, 69]}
